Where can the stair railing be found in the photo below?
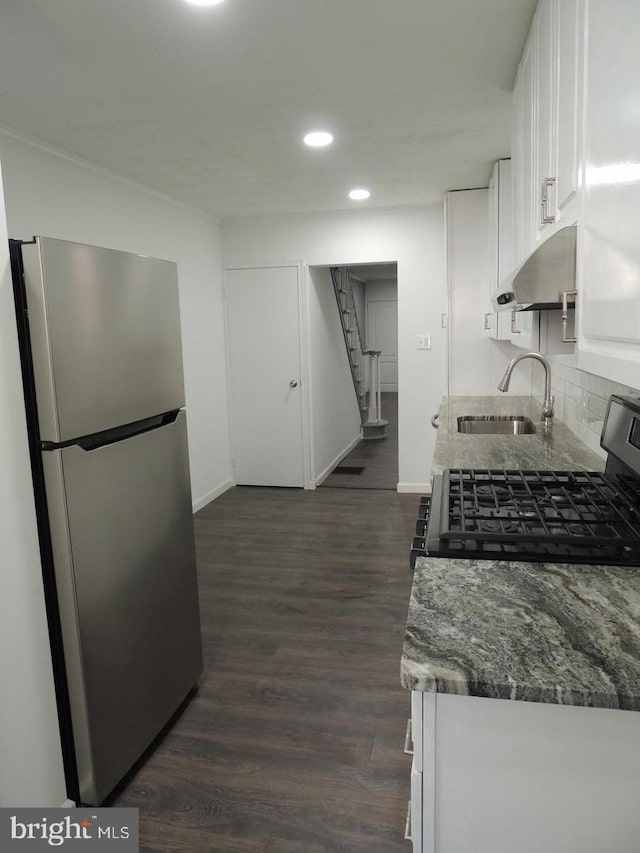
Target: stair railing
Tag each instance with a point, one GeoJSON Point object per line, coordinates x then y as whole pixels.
{"type": "Point", "coordinates": [351, 332]}
{"type": "Point", "coordinates": [373, 426]}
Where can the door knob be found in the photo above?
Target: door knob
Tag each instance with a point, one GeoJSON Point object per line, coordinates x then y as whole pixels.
{"type": "Point", "coordinates": [293, 383]}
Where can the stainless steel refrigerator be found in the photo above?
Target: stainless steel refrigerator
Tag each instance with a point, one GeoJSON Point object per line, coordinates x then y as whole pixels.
{"type": "Point", "coordinates": [101, 355]}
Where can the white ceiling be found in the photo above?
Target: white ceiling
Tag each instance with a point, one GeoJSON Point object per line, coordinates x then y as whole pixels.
{"type": "Point", "coordinates": [209, 105]}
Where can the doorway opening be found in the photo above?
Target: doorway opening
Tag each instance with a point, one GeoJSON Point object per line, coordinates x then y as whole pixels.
{"type": "Point", "coordinates": [373, 464]}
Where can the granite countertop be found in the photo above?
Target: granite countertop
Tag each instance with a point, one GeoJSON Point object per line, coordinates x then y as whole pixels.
{"type": "Point", "coordinates": [539, 632]}
{"type": "Point", "coordinates": [556, 449]}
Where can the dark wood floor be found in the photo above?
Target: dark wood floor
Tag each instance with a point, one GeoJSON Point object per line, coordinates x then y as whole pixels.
{"type": "Point", "coordinates": [294, 742]}
{"type": "Point", "coordinates": [378, 458]}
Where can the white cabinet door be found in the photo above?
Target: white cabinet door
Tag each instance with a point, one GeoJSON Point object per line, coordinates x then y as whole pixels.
{"type": "Point", "coordinates": [543, 200]}
{"type": "Point", "coordinates": [500, 263]}
{"type": "Point", "coordinates": [568, 85]}
{"type": "Point", "coordinates": [505, 240]}
{"type": "Point", "coordinates": [526, 191]}
{"type": "Point", "coordinates": [416, 809]}
{"type": "Point", "coordinates": [490, 317]}
{"type": "Point", "coordinates": [547, 116]}
{"type": "Point", "coordinates": [516, 173]}
{"type": "Point", "coordinates": [473, 368]}
{"type": "Point", "coordinates": [416, 728]}
{"type": "Point", "coordinates": [526, 777]}
{"type": "Point", "coordinates": [505, 219]}
{"type": "Point", "coordinates": [429, 830]}
{"type": "Point", "coordinates": [609, 248]}
{"type": "Point", "coordinates": [525, 329]}
{"type": "Point", "coordinates": [416, 771]}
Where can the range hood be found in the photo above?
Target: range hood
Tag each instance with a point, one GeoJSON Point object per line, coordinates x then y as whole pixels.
{"type": "Point", "coordinates": [543, 278]}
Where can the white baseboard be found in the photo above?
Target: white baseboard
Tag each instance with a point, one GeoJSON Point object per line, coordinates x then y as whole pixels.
{"type": "Point", "coordinates": [68, 804]}
{"type": "Point", "coordinates": [339, 458]}
{"type": "Point", "coordinates": [212, 495]}
{"type": "Point", "coordinates": [414, 488]}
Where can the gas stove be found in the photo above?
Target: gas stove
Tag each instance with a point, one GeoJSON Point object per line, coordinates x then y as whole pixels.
{"type": "Point", "coordinates": [544, 516]}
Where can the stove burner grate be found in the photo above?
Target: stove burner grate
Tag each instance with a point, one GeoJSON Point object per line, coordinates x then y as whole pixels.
{"type": "Point", "coordinates": [572, 509]}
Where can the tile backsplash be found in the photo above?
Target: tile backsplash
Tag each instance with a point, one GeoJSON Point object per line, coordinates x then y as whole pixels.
{"type": "Point", "coordinates": [580, 398]}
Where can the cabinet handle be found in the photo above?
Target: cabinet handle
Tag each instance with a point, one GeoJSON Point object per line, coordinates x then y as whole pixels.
{"type": "Point", "coordinates": [408, 748]}
{"type": "Point", "coordinates": [407, 826]}
{"type": "Point", "coordinates": [514, 331]}
{"type": "Point", "coordinates": [487, 322]}
{"type": "Point", "coordinates": [565, 308]}
{"type": "Point", "coordinates": [547, 187]}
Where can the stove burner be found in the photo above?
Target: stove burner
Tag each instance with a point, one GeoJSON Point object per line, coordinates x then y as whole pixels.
{"type": "Point", "coordinates": [491, 495]}
{"type": "Point", "coordinates": [521, 511]}
{"type": "Point", "coordinates": [497, 526]}
{"type": "Point", "coordinates": [578, 529]}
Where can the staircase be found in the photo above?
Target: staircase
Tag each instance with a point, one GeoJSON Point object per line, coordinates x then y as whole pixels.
{"type": "Point", "coordinates": [369, 402]}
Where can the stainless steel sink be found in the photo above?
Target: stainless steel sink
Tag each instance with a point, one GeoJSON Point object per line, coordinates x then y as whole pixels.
{"type": "Point", "coordinates": [495, 425]}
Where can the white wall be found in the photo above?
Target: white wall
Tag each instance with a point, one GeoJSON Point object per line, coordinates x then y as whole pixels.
{"type": "Point", "coordinates": [31, 772]}
{"type": "Point", "coordinates": [382, 290]}
{"type": "Point", "coordinates": [47, 193]}
{"type": "Point", "coordinates": [50, 194]}
{"type": "Point", "coordinates": [414, 237]}
{"type": "Point", "coordinates": [335, 418]}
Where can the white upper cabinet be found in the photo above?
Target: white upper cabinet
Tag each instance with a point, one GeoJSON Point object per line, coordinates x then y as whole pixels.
{"type": "Point", "coordinates": [609, 237]}
{"type": "Point", "coordinates": [522, 154]}
{"type": "Point", "coordinates": [521, 328]}
{"type": "Point", "coordinates": [568, 89]}
{"type": "Point", "coordinates": [576, 157]}
{"type": "Point", "coordinates": [500, 253]}
{"type": "Point", "coordinates": [505, 219]}
{"type": "Point", "coordinates": [524, 328]}
{"type": "Point", "coordinates": [491, 317]}
{"type": "Point", "coordinates": [545, 116]}
{"type": "Point", "coordinates": [545, 144]}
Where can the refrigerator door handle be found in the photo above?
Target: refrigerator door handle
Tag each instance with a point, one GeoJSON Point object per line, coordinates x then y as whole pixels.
{"type": "Point", "coordinates": [119, 433]}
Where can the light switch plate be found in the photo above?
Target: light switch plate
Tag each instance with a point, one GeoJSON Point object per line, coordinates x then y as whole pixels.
{"type": "Point", "coordinates": [424, 341]}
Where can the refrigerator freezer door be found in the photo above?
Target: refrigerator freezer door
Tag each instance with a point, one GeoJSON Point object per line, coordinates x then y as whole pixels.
{"type": "Point", "coordinates": [126, 580]}
{"type": "Point", "coordinates": [105, 333]}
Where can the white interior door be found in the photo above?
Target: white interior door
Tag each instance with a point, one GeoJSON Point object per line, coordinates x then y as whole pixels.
{"type": "Point", "coordinates": [264, 363]}
{"type": "Point", "coordinates": [382, 334]}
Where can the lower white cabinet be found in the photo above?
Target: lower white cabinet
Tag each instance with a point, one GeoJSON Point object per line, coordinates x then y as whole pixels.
{"type": "Point", "coordinates": [422, 771]}
{"type": "Point", "coordinates": [415, 806]}
{"type": "Point", "coordinates": [498, 776]}
{"type": "Point", "coordinates": [416, 801]}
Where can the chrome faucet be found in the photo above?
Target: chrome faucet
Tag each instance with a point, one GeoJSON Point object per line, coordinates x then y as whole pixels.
{"type": "Point", "coordinates": [547, 406]}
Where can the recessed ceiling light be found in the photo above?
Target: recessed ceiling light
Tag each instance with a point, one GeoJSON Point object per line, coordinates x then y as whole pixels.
{"type": "Point", "coordinates": [318, 138]}
{"type": "Point", "coordinates": [204, 2]}
{"type": "Point", "coordinates": [359, 195]}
